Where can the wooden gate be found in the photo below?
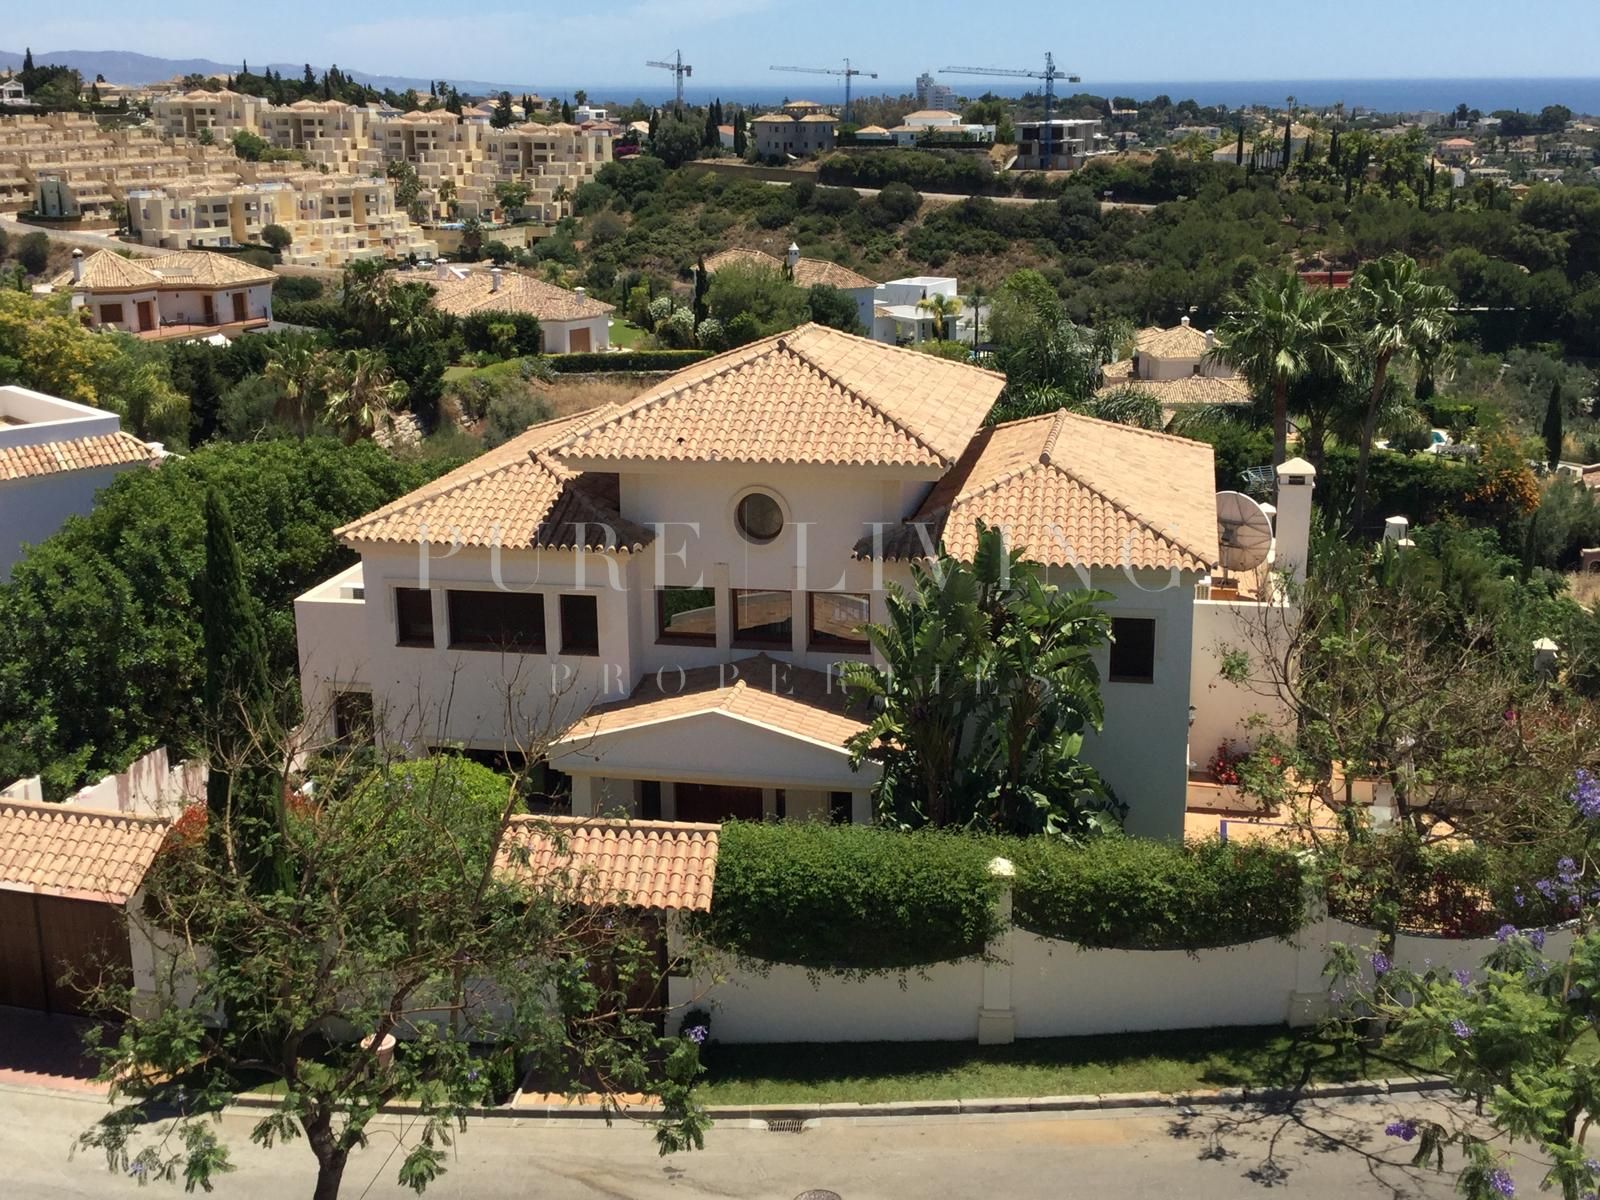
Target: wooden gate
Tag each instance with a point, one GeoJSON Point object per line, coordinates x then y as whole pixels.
{"type": "Point", "coordinates": [54, 950]}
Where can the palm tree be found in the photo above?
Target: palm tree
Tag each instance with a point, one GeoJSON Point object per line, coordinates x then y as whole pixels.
{"type": "Point", "coordinates": [296, 366]}
{"type": "Point", "coordinates": [560, 196]}
{"type": "Point", "coordinates": [361, 394]}
{"type": "Point", "coordinates": [1399, 315]}
{"type": "Point", "coordinates": [944, 309]}
{"type": "Point", "coordinates": [1279, 331]}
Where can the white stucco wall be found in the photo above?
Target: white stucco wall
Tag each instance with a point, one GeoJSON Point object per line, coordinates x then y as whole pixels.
{"type": "Point", "coordinates": [557, 335]}
{"type": "Point", "coordinates": [1231, 712]}
{"type": "Point", "coordinates": [33, 509]}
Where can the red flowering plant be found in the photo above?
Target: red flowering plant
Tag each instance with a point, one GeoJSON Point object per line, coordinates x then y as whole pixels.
{"type": "Point", "coordinates": [1224, 765]}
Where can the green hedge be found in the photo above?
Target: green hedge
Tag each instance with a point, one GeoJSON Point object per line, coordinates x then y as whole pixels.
{"type": "Point", "coordinates": [1132, 894]}
{"type": "Point", "coordinates": [850, 897]}
{"type": "Point", "coordinates": [626, 360]}
{"type": "Point", "coordinates": [856, 898]}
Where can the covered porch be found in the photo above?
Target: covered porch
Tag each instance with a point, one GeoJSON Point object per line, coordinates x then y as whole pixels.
{"type": "Point", "coordinates": [751, 739]}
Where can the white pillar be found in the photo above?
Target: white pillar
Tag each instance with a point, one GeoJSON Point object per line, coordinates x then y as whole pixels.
{"type": "Point", "coordinates": [669, 800]}
{"type": "Point", "coordinates": [583, 795]}
{"type": "Point", "coordinates": [769, 802]}
{"type": "Point", "coordinates": [861, 808]}
{"type": "Point", "coordinates": [1292, 532]}
{"type": "Point", "coordinates": [997, 1024]}
{"type": "Point", "coordinates": [1308, 996]}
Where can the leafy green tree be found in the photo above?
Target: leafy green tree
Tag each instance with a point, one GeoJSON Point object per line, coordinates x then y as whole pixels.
{"type": "Point", "coordinates": [834, 308]}
{"type": "Point", "coordinates": [511, 194]}
{"type": "Point", "coordinates": [502, 111]}
{"type": "Point", "coordinates": [412, 913]}
{"type": "Point", "coordinates": [987, 688]}
{"type": "Point", "coordinates": [675, 141]}
{"type": "Point", "coordinates": [250, 146]}
{"type": "Point", "coordinates": [1552, 432]}
{"type": "Point", "coordinates": [33, 252]}
{"type": "Point", "coordinates": [1397, 314]}
{"type": "Point", "coordinates": [1278, 331]}
{"type": "Point", "coordinates": [277, 237]}
{"type": "Point", "coordinates": [759, 298]}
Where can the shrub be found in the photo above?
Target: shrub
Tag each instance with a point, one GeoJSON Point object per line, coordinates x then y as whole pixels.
{"type": "Point", "coordinates": [1130, 894]}
{"type": "Point", "coordinates": [626, 360]}
{"type": "Point", "coordinates": [850, 898]}
{"type": "Point", "coordinates": [297, 287]}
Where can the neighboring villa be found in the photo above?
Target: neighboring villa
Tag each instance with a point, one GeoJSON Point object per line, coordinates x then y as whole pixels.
{"type": "Point", "coordinates": [54, 456]}
{"type": "Point", "coordinates": [12, 92]}
{"type": "Point", "coordinates": [890, 312]}
{"type": "Point", "coordinates": [570, 322]}
{"type": "Point", "coordinates": [192, 293]}
{"type": "Point", "coordinates": [650, 597]}
{"type": "Point", "coordinates": [1172, 365]}
{"type": "Point", "coordinates": [1071, 140]}
{"type": "Point", "coordinates": [801, 129]}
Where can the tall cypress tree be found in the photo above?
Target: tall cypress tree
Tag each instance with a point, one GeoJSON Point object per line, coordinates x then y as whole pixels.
{"type": "Point", "coordinates": [1288, 141]}
{"type": "Point", "coordinates": [27, 58]}
{"type": "Point", "coordinates": [244, 802]}
{"type": "Point", "coordinates": [1238, 149]}
{"type": "Point", "coordinates": [1552, 427]}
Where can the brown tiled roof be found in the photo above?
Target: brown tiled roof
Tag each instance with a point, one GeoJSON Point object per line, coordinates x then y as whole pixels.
{"type": "Point", "coordinates": [811, 395]}
{"type": "Point", "coordinates": [1071, 491]}
{"type": "Point", "coordinates": [640, 864]}
{"type": "Point", "coordinates": [81, 853]}
{"type": "Point", "coordinates": [807, 271]}
{"type": "Point", "coordinates": [1181, 341]}
{"type": "Point", "coordinates": [75, 454]}
{"type": "Point", "coordinates": [515, 496]}
{"type": "Point", "coordinates": [518, 293]}
{"type": "Point", "coordinates": [1189, 390]}
{"type": "Point", "coordinates": [763, 691]}
{"type": "Point", "coordinates": [108, 271]}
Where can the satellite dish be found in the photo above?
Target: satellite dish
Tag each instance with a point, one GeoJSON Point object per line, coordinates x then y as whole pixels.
{"type": "Point", "coordinates": [1244, 533]}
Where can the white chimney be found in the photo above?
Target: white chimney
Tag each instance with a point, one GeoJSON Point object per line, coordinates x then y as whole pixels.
{"type": "Point", "coordinates": [494, 279]}
{"type": "Point", "coordinates": [1185, 322]}
{"type": "Point", "coordinates": [77, 265]}
{"type": "Point", "coordinates": [579, 292]}
{"type": "Point", "coordinates": [1211, 339]}
{"type": "Point", "coordinates": [793, 257]}
{"type": "Point", "coordinates": [1394, 529]}
{"type": "Point", "coordinates": [441, 270]}
{"type": "Point", "coordinates": [1292, 545]}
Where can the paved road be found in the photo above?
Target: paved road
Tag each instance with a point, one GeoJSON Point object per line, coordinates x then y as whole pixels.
{"type": "Point", "coordinates": [86, 238]}
{"type": "Point", "coordinates": [941, 198]}
{"type": "Point", "coordinates": [1325, 1150]}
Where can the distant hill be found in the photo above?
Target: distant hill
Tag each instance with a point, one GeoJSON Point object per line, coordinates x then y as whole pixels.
{"type": "Point", "coordinates": [122, 66]}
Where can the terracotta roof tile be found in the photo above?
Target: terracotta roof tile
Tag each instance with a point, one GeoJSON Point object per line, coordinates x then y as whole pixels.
{"type": "Point", "coordinates": [75, 454]}
{"type": "Point", "coordinates": [82, 853]}
{"type": "Point", "coordinates": [1190, 390]}
{"type": "Point", "coordinates": [1181, 341]}
{"type": "Point", "coordinates": [807, 271]}
{"type": "Point", "coordinates": [106, 270]}
{"type": "Point", "coordinates": [641, 864]}
{"type": "Point", "coordinates": [1072, 491]}
{"type": "Point", "coordinates": [811, 395]}
{"type": "Point", "coordinates": [791, 700]}
{"type": "Point", "coordinates": [515, 496]}
{"type": "Point", "coordinates": [518, 293]}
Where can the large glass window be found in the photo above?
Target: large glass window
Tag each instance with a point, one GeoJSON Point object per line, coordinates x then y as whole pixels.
{"type": "Point", "coordinates": [497, 621]}
{"type": "Point", "coordinates": [837, 619]}
{"type": "Point", "coordinates": [762, 618]}
{"type": "Point", "coordinates": [413, 611]}
{"type": "Point", "coordinates": [1133, 650]}
{"type": "Point", "coordinates": [580, 625]}
{"type": "Point", "coordinates": [687, 615]}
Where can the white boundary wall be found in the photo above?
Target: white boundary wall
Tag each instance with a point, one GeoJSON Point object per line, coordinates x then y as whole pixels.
{"type": "Point", "coordinates": [1046, 988]}
{"type": "Point", "coordinates": [148, 785]}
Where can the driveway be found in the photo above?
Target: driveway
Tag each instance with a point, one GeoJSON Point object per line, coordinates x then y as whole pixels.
{"type": "Point", "coordinates": [45, 1051]}
{"type": "Point", "coordinates": [1328, 1149]}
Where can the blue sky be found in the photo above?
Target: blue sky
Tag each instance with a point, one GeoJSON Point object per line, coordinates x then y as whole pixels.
{"type": "Point", "coordinates": [573, 44]}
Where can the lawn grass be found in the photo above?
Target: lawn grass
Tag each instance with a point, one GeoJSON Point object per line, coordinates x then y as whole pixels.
{"type": "Point", "coordinates": [627, 335]}
{"type": "Point", "coordinates": [1174, 1061]}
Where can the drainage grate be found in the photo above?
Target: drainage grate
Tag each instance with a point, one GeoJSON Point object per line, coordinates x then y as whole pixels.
{"type": "Point", "coordinates": [786, 1125]}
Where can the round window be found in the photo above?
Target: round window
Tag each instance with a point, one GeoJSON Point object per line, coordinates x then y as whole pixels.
{"type": "Point", "coordinates": [759, 517]}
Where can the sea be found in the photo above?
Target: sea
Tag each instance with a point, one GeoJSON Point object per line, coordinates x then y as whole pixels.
{"type": "Point", "coordinates": [1581, 95]}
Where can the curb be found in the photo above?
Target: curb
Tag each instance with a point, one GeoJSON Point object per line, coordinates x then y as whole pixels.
{"type": "Point", "coordinates": [847, 1110]}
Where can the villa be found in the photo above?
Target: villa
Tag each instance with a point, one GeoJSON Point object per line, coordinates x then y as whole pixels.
{"type": "Point", "coordinates": [186, 294]}
{"type": "Point", "coordinates": [1174, 366]}
{"type": "Point", "coordinates": [649, 599]}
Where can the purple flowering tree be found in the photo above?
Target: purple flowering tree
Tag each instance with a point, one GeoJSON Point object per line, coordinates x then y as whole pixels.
{"type": "Point", "coordinates": [1516, 1036]}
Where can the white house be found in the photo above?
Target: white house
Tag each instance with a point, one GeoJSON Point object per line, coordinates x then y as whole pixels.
{"type": "Point", "coordinates": [898, 315]}
{"type": "Point", "coordinates": [588, 112]}
{"type": "Point", "coordinates": [650, 597]}
{"type": "Point", "coordinates": [570, 321]}
{"type": "Point", "coordinates": [55, 455]}
{"type": "Point", "coordinates": [190, 293]}
{"type": "Point", "coordinates": [12, 92]}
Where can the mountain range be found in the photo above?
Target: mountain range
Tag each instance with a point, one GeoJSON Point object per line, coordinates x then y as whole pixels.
{"type": "Point", "coordinates": [122, 66]}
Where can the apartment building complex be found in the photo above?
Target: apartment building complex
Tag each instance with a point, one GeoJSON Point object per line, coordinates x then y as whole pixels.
{"type": "Point", "coordinates": [1070, 141]}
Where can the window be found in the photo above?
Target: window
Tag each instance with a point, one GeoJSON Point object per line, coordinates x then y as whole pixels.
{"type": "Point", "coordinates": [352, 718]}
{"type": "Point", "coordinates": [686, 615]}
{"type": "Point", "coordinates": [759, 517]}
{"type": "Point", "coordinates": [1133, 650]}
{"type": "Point", "coordinates": [413, 613]}
{"type": "Point", "coordinates": [650, 800]}
{"type": "Point", "coordinates": [763, 618]}
{"type": "Point", "coordinates": [580, 625]}
{"type": "Point", "coordinates": [836, 621]}
{"type": "Point", "coordinates": [111, 314]}
{"type": "Point", "coordinates": [841, 807]}
{"type": "Point", "coordinates": [497, 621]}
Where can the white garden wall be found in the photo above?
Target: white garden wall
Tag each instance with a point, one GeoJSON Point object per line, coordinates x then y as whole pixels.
{"type": "Point", "coordinates": [1058, 989]}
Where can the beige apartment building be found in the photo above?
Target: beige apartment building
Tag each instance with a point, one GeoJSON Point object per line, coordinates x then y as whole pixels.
{"type": "Point", "coordinates": [225, 113]}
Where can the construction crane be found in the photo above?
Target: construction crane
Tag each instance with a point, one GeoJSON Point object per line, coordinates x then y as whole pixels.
{"type": "Point", "coordinates": [1050, 74]}
{"type": "Point", "coordinates": [679, 70]}
{"type": "Point", "coordinates": [848, 72]}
